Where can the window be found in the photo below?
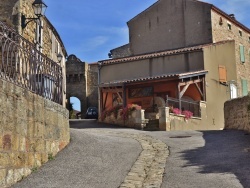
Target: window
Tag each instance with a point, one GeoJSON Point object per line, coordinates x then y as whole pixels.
{"type": "Point", "coordinates": [140, 92]}
{"type": "Point", "coordinates": [221, 21]}
{"type": "Point", "coordinates": [229, 26]}
{"type": "Point", "coordinates": [222, 74]}
{"type": "Point", "coordinates": [233, 91]}
{"type": "Point", "coordinates": [240, 33]}
{"type": "Point", "coordinates": [248, 39]}
{"type": "Point", "coordinates": [244, 87]}
{"type": "Point", "coordinates": [242, 53]}
{"type": "Point", "coordinates": [56, 47]}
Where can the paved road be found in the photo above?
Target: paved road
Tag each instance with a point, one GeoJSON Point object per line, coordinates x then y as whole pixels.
{"type": "Point", "coordinates": [94, 159]}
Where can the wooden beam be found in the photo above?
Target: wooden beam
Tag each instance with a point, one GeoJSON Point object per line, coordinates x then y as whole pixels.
{"type": "Point", "coordinates": [190, 82]}
{"type": "Point", "coordinates": [113, 90]}
{"type": "Point", "coordinates": [179, 95]}
{"type": "Point", "coordinates": [104, 106]}
{"type": "Point", "coordinates": [124, 101]}
{"type": "Point", "coordinates": [184, 90]}
{"type": "Point", "coordinates": [119, 96]}
{"type": "Point", "coordinates": [199, 89]}
{"type": "Point", "coordinates": [204, 89]}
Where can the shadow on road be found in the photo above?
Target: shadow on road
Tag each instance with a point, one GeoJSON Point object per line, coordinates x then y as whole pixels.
{"type": "Point", "coordinates": [224, 152]}
{"type": "Point", "coordinates": [90, 124]}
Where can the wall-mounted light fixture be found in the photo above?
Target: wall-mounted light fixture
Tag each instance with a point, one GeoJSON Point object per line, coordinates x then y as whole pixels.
{"type": "Point", "coordinates": [39, 8]}
{"type": "Point", "coordinates": [59, 57]}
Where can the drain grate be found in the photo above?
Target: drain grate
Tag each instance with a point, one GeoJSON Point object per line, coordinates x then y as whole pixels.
{"type": "Point", "coordinates": [180, 136]}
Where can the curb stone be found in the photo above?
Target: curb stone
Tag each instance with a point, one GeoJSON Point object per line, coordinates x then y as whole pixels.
{"type": "Point", "coordinates": [148, 170]}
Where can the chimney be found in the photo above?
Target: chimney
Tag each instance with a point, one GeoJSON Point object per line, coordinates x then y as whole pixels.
{"type": "Point", "coordinates": [232, 16]}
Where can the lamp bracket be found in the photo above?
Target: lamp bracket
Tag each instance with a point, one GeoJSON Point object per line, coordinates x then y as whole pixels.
{"type": "Point", "coordinates": [25, 21]}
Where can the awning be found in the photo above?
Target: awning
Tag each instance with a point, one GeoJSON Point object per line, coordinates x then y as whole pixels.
{"type": "Point", "coordinates": [177, 76]}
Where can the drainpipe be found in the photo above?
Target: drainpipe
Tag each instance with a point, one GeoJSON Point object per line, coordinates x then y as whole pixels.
{"type": "Point", "coordinates": [99, 90]}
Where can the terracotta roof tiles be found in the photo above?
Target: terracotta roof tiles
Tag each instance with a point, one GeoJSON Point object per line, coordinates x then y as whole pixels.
{"type": "Point", "coordinates": [160, 54]}
{"type": "Point", "coordinates": [157, 77]}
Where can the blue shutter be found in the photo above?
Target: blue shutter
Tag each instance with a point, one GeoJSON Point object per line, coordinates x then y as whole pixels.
{"type": "Point", "coordinates": [244, 88]}
{"type": "Point", "coordinates": [242, 54]}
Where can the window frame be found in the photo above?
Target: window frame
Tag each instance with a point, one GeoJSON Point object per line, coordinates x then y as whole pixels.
{"type": "Point", "coordinates": [229, 26]}
{"type": "Point", "coordinates": [244, 84]}
{"type": "Point", "coordinates": [242, 53]}
{"type": "Point", "coordinates": [222, 74]}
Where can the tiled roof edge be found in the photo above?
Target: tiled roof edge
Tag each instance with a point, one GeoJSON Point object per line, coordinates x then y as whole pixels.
{"type": "Point", "coordinates": [161, 53]}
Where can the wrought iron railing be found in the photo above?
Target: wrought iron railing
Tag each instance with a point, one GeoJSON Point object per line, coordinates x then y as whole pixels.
{"type": "Point", "coordinates": [22, 64]}
{"type": "Point", "coordinates": [192, 106]}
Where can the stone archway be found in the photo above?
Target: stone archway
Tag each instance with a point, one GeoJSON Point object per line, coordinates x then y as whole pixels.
{"type": "Point", "coordinates": [76, 81]}
{"type": "Point", "coordinates": [81, 83]}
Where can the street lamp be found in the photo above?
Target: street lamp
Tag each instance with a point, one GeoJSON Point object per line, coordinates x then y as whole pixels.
{"type": "Point", "coordinates": [39, 8]}
{"type": "Point", "coordinates": [59, 57]}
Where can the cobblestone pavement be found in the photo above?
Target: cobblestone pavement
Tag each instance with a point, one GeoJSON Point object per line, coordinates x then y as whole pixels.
{"type": "Point", "coordinates": [148, 170]}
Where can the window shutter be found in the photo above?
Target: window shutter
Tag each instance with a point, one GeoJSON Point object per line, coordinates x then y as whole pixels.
{"type": "Point", "coordinates": [244, 87]}
{"type": "Point", "coordinates": [222, 74]}
{"type": "Point", "coordinates": [242, 54]}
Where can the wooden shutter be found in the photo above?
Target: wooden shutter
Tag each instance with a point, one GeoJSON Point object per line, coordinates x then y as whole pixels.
{"type": "Point", "coordinates": [244, 87]}
{"type": "Point", "coordinates": [242, 54]}
{"type": "Point", "coordinates": [222, 74]}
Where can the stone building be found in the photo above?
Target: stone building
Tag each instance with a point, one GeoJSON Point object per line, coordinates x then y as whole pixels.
{"type": "Point", "coordinates": [33, 121]}
{"type": "Point", "coordinates": [82, 82]}
{"type": "Point", "coordinates": [43, 34]}
{"type": "Point", "coordinates": [174, 38]}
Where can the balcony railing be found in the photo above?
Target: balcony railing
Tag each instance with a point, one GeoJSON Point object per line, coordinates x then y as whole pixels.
{"type": "Point", "coordinates": [192, 106]}
{"type": "Point", "coordinates": [22, 64]}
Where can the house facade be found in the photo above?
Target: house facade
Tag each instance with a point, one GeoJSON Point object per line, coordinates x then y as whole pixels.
{"type": "Point", "coordinates": [33, 120]}
{"type": "Point", "coordinates": [189, 53]}
{"type": "Point", "coordinates": [41, 33]}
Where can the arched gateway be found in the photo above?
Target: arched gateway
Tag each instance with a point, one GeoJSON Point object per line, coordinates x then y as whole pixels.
{"type": "Point", "coordinates": [82, 83]}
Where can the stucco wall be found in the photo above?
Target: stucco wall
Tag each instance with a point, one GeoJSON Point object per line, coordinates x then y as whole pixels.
{"type": "Point", "coordinates": [170, 24]}
{"type": "Point", "coordinates": [221, 32]}
{"type": "Point", "coordinates": [32, 130]}
{"type": "Point", "coordinates": [217, 93]}
{"type": "Point", "coordinates": [178, 63]}
{"type": "Point", "coordinates": [237, 114]}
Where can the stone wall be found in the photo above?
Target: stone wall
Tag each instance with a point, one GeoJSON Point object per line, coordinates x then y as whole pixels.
{"type": "Point", "coordinates": [237, 114]}
{"type": "Point", "coordinates": [82, 82]}
{"type": "Point", "coordinates": [123, 51]}
{"type": "Point", "coordinates": [221, 32]}
{"type": "Point", "coordinates": [172, 122]}
{"type": "Point", "coordinates": [92, 85]}
{"type": "Point", "coordinates": [32, 130]}
{"type": "Point", "coordinates": [135, 119]}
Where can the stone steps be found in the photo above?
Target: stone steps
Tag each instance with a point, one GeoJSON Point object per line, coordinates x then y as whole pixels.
{"type": "Point", "coordinates": [152, 125]}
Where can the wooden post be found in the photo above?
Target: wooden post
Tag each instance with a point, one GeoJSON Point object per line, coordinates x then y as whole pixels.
{"type": "Point", "coordinates": [124, 96]}
{"type": "Point", "coordinates": [179, 95]}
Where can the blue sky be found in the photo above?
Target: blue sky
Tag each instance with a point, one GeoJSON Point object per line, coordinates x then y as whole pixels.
{"type": "Point", "coordinates": [90, 29]}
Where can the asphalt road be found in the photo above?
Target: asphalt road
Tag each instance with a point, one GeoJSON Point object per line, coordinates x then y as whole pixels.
{"type": "Point", "coordinates": [211, 159]}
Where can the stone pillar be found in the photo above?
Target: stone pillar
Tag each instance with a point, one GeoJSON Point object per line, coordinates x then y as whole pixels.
{"type": "Point", "coordinates": [140, 120]}
{"type": "Point", "coordinates": [164, 120]}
